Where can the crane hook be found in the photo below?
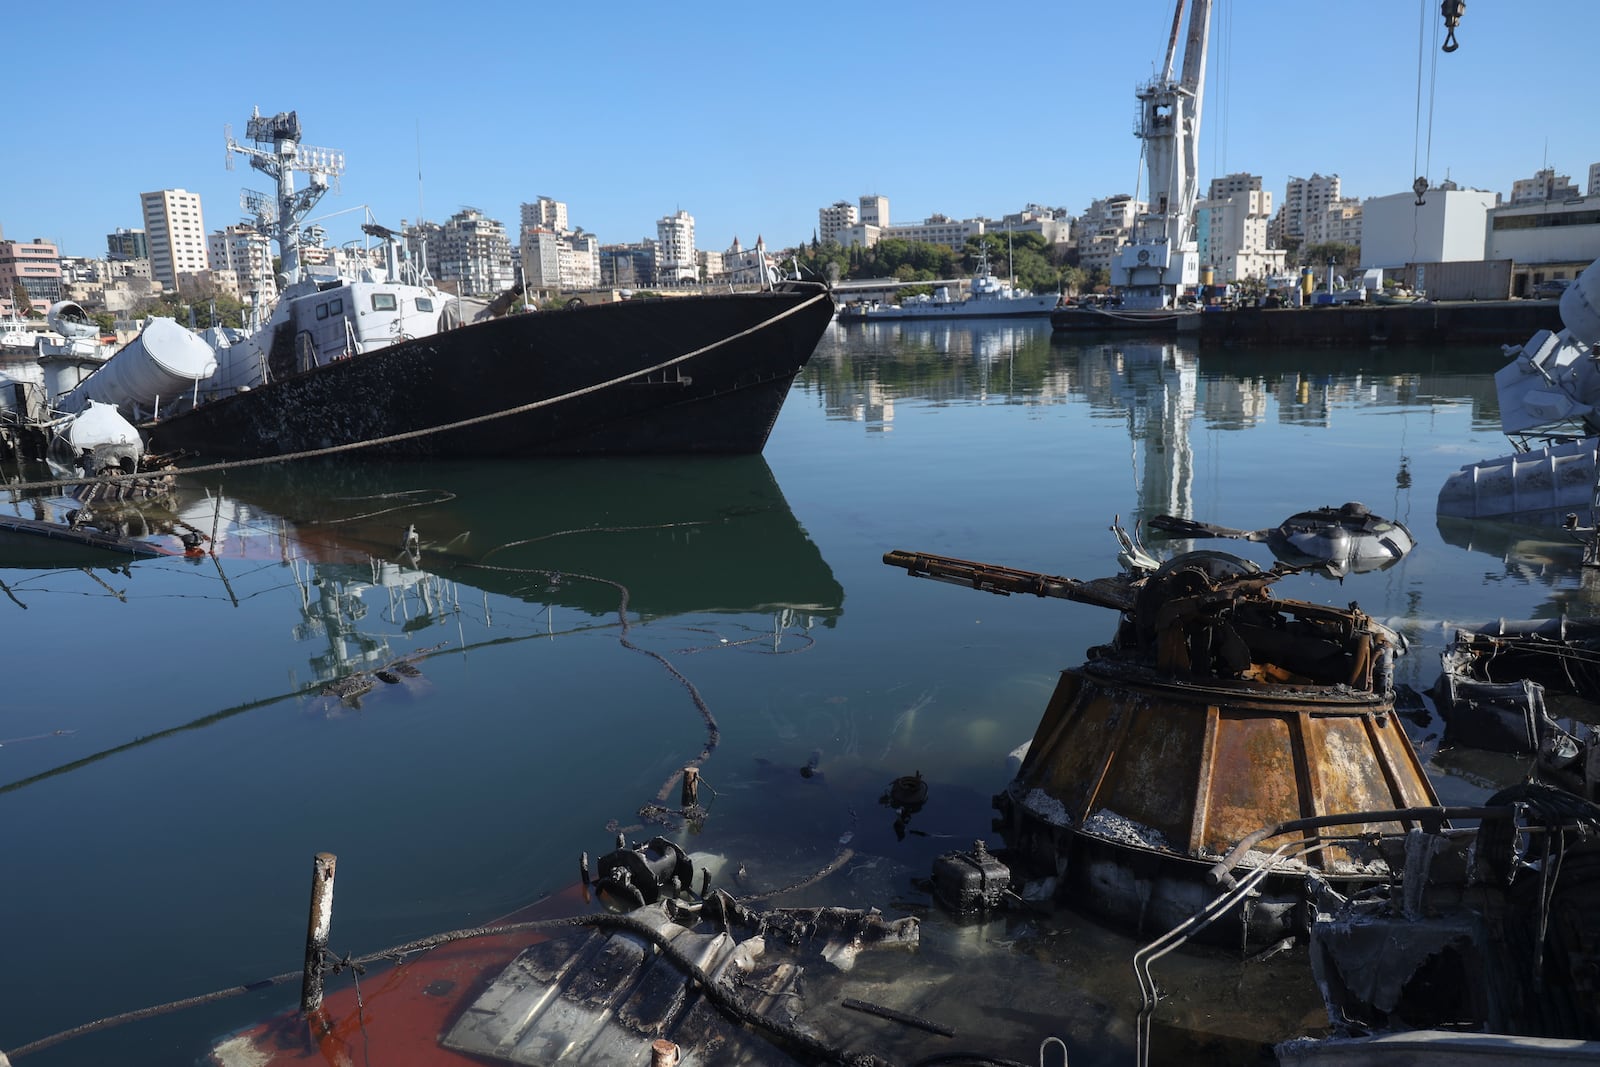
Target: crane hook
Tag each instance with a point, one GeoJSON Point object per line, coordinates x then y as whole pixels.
{"type": "Point", "coordinates": [1452, 10]}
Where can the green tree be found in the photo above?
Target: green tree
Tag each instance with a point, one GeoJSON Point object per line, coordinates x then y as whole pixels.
{"type": "Point", "coordinates": [24, 305]}
{"type": "Point", "coordinates": [1344, 256]}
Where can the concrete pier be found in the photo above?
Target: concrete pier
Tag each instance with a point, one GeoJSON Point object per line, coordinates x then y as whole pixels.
{"type": "Point", "coordinates": [1494, 322]}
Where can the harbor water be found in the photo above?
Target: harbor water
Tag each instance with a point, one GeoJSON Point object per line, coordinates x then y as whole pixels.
{"type": "Point", "coordinates": [461, 678]}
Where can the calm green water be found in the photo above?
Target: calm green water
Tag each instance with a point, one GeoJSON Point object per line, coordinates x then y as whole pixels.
{"type": "Point", "coordinates": [169, 764]}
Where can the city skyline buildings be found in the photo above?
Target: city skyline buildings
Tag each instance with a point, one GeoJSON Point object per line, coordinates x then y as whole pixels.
{"type": "Point", "coordinates": [758, 159]}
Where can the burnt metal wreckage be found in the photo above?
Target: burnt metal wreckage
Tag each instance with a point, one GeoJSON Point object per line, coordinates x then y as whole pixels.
{"type": "Point", "coordinates": [1491, 693]}
{"type": "Point", "coordinates": [1215, 709]}
{"type": "Point", "coordinates": [1219, 719]}
{"type": "Point", "coordinates": [1348, 539]}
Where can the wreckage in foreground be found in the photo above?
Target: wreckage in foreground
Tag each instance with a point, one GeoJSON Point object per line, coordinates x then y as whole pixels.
{"type": "Point", "coordinates": [1215, 710]}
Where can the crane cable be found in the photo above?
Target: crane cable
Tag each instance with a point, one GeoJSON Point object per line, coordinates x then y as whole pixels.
{"type": "Point", "coordinates": [1420, 185]}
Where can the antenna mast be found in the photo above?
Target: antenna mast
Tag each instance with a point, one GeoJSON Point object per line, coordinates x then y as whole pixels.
{"type": "Point", "coordinates": [280, 161]}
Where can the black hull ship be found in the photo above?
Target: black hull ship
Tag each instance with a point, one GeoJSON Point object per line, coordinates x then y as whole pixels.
{"type": "Point", "coordinates": [367, 354]}
{"type": "Point", "coordinates": [696, 374]}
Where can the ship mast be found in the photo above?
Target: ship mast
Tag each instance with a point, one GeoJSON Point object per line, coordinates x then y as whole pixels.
{"type": "Point", "coordinates": [285, 156]}
{"type": "Point", "coordinates": [1163, 257]}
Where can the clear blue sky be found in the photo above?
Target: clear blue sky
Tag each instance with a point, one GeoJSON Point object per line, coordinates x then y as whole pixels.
{"type": "Point", "coordinates": [751, 116]}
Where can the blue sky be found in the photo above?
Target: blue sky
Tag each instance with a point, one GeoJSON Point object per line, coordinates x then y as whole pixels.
{"type": "Point", "coordinates": [752, 116]}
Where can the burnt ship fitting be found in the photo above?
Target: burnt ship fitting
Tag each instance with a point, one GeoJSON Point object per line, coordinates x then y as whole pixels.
{"type": "Point", "coordinates": [1216, 710]}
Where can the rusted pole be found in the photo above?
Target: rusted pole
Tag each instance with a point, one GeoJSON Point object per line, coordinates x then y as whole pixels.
{"type": "Point", "coordinates": [317, 930]}
{"type": "Point", "coordinates": [691, 786]}
{"type": "Point", "coordinates": [663, 1053]}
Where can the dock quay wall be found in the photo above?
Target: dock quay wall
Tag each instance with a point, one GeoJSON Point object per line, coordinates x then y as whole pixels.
{"type": "Point", "coordinates": [1477, 322]}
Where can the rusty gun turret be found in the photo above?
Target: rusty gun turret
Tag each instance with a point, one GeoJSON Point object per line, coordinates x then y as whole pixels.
{"type": "Point", "coordinates": [1115, 593]}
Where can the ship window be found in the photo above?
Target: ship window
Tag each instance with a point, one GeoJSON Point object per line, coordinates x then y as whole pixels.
{"type": "Point", "coordinates": [424, 303]}
{"type": "Point", "coordinates": [382, 301]}
{"type": "Point", "coordinates": [322, 311]}
{"type": "Point", "coordinates": [337, 307]}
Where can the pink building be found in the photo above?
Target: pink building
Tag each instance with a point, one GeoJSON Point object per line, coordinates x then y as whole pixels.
{"type": "Point", "coordinates": [36, 267]}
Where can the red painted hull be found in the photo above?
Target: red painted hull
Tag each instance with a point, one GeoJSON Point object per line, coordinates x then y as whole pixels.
{"type": "Point", "coordinates": [394, 1015]}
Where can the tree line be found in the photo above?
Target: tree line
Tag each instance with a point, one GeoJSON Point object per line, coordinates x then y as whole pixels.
{"type": "Point", "coordinates": [1026, 257]}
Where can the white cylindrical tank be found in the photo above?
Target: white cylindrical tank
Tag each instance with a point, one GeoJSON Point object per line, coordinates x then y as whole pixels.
{"type": "Point", "coordinates": [100, 424]}
{"type": "Point", "coordinates": [159, 366]}
{"type": "Point", "coordinates": [1580, 305]}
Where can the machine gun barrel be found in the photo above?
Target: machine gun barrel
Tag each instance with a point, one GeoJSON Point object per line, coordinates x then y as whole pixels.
{"type": "Point", "coordinates": [1003, 581]}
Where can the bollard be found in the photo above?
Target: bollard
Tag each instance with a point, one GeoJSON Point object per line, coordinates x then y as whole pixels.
{"type": "Point", "coordinates": [664, 1053]}
{"type": "Point", "coordinates": [317, 928]}
{"type": "Point", "coordinates": [691, 787]}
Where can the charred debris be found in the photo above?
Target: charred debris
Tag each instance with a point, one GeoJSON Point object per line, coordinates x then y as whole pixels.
{"type": "Point", "coordinates": [1221, 722]}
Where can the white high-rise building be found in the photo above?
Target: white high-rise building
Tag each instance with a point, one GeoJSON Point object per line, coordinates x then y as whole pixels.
{"type": "Point", "coordinates": [1231, 233]}
{"type": "Point", "coordinates": [247, 252]}
{"type": "Point", "coordinates": [1303, 200]}
{"type": "Point", "coordinates": [585, 259]}
{"type": "Point", "coordinates": [675, 259]}
{"type": "Point", "coordinates": [472, 251]}
{"type": "Point", "coordinates": [542, 252]}
{"type": "Point", "coordinates": [1594, 179]}
{"type": "Point", "coordinates": [175, 233]}
{"type": "Point", "coordinates": [834, 219]}
{"type": "Point", "coordinates": [545, 213]}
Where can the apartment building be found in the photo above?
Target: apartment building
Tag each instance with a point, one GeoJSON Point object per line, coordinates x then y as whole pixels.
{"type": "Point", "coordinates": [247, 252]}
{"type": "Point", "coordinates": [675, 259]}
{"type": "Point", "coordinates": [1339, 223]}
{"type": "Point", "coordinates": [472, 252]}
{"type": "Point", "coordinates": [35, 266]}
{"type": "Point", "coordinates": [126, 244]}
{"type": "Point", "coordinates": [1304, 199]}
{"type": "Point", "coordinates": [936, 230]}
{"type": "Point", "coordinates": [1054, 224]}
{"type": "Point", "coordinates": [1104, 228]}
{"type": "Point", "coordinates": [1233, 185]}
{"type": "Point", "coordinates": [1231, 231]}
{"type": "Point", "coordinates": [553, 255]}
{"type": "Point", "coordinates": [545, 214]}
{"type": "Point", "coordinates": [837, 217]}
{"type": "Point", "coordinates": [175, 232]}
{"type": "Point", "coordinates": [1545, 185]}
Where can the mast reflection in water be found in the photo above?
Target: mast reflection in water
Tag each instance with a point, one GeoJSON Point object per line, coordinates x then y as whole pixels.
{"type": "Point", "coordinates": [581, 631]}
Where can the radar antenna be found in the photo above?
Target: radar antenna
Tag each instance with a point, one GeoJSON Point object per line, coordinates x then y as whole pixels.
{"type": "Point", "coordinates": [261, 207]}
{"type": "Point", "coordinates": [277, 152]}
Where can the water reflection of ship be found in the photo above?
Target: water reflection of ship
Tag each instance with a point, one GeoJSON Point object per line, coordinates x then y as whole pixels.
{"type": "Point", "coordinates": [663, 538]}
{"type": "Point", "coordinates": [1156, 383]}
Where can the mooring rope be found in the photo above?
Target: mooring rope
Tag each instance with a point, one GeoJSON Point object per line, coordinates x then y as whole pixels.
{"type": "Point", "coordinates": [713, 731]}
{"type": "Point", "coordinates": [411, 435]}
